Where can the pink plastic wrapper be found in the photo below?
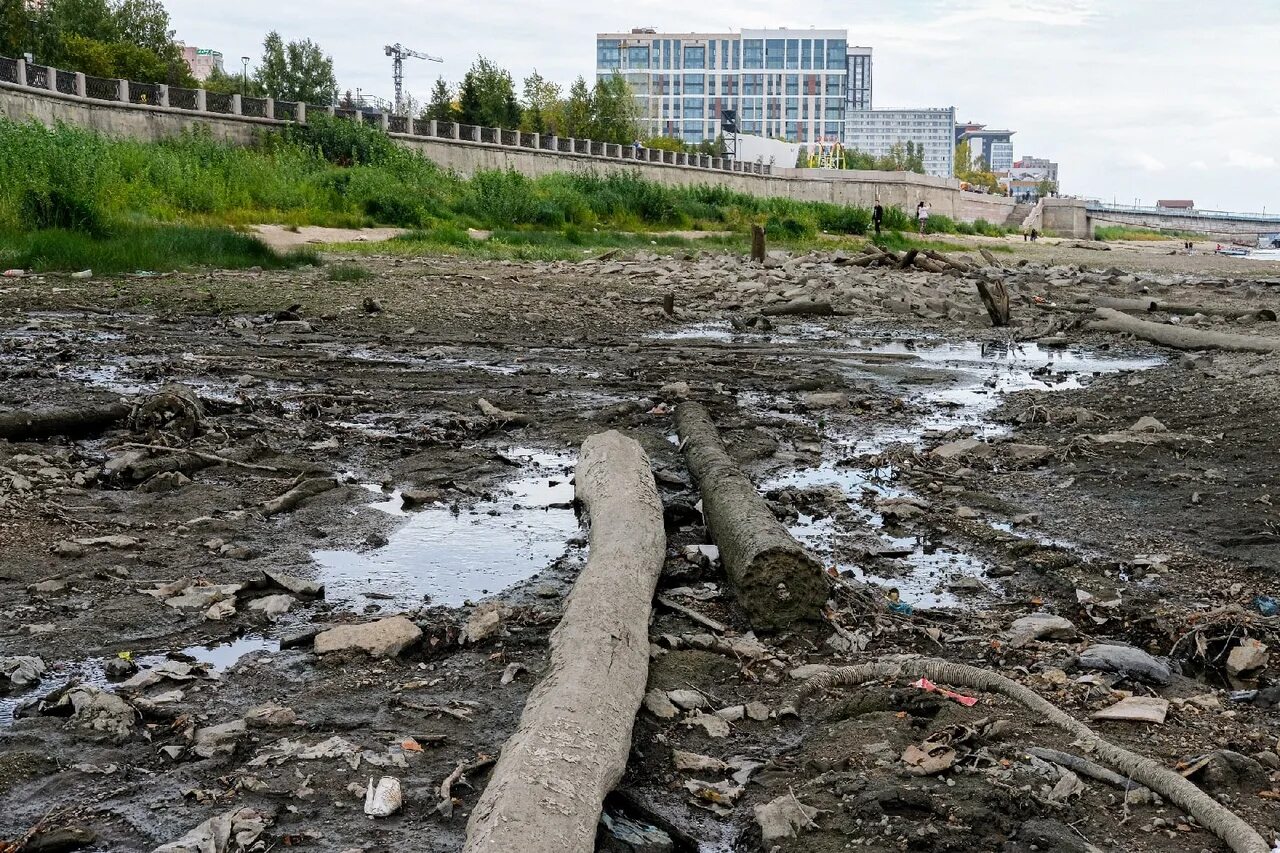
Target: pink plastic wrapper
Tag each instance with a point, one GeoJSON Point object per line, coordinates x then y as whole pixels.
{"type": "Point", "coordinates": [926, 684]}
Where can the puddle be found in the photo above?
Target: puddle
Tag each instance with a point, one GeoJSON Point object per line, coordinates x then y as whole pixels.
{"type": "Point", "coordinates": [784, 332]}
{"type": "Point", "coordinates": [958, 385]}
{"type": "Point", "coordinates": [447, 557]}
{"type": "Point", "coordinates": [219, 656]}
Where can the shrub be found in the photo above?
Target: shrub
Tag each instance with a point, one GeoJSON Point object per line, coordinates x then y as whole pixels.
{"type": "Point", "coordinates": [789, 227]}
{"type": "Point", "coordinates": [839, 219]}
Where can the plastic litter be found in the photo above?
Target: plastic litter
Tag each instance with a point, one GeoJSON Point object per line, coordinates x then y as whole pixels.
{"type": "Point", "coordinates": [1267, 606]}
{"type": "Point", "coordinates": [14, 273]}
{"type": "Point", "coordinates": [926, 684]}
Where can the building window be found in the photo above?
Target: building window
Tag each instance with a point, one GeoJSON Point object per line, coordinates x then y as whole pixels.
{"type": "Point", "coordinates": [835, 86]}
{"type": "Point", "coordinates": [694, 84]}
{"type": "Point", "coordinates": [694, 107]}
{"type": "Point", "coordinates": [711, 54]}
{"type": "Point", "coordinates": [806, 54]}
{"type": "Point", "coordinates": [753, 84]}
{"type": "Point", "coordinates": [695, 57]}
{"type": "Point", "coordinates": [793, 84]}
{"type": "Point", "coordinates": [773, 53]}
{"type": "Point", "coordinates": [753, 53]}
{"type": "Point", "coordinates": [793, 53]}
{"type": "Point", "coordinates": [818, 55]}
{"type": "Point", "coordinates": [666, 53]}
{"type": "Point", "coordinates": [836, 53]}
{"type": "Point", "coordinates": [608, 54]}
{"type": "Point", "coordinates": [638, 57]}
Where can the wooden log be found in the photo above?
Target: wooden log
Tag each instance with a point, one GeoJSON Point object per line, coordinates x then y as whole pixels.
{"type": "Point", "coordinates": [774, 579]}
{"type": "Point", "coordinates": [299, 493]}
{"type": "Point", "coordinates": [995, 297]}
{"type": "Point", "coordinates": [1147, 306]}
{"type": "Point", "coordinates": [669, 304]}
{"type": "Point", "coordinates": [908, 259]}
{"type": "Point", "coordinates": [799, 307]}
{"type": "Point", "coordinates": [26, 424]}
{"type": "Point", "coordinates": [571, 747]}
{"type": "Point", "coordinates": [1179, 337]}
{"type": "Point", "coordinates": [943, 258]}
{"type": "Point", "coordinates": [757, 243]}
{"type": "Point", "coordinates": [173, 410]}
{"type": "Point", "coordinates": [929, 265]}
{"type": "Point", "coordinates": [989, 257]}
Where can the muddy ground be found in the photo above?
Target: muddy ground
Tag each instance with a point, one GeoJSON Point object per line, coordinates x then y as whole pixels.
{"type": "Point", "coordinates": [116, 557]}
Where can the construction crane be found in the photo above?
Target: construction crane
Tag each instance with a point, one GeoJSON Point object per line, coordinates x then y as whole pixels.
{"type": "Point", "coordinates": [398, 52]}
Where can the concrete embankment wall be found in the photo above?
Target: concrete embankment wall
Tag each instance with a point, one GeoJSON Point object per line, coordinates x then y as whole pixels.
{"type": "Point", "coordinates": [152, 123]}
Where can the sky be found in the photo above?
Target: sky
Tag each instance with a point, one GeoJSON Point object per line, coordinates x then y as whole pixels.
{"type": "Point", "coordinates": [1137, 100]}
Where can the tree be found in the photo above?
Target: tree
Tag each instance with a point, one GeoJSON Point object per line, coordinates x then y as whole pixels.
{"type": "Point", "coordinates": [488, 97]}
{"type": "Point", "coordinates": [578, 110]}
{"type": "Point", "coordinates": [232, 84]}
{"type": "Point", "coordinates": [144, 23]}
{"type": "Point", "coordinates": [440, 107]}
{"type": "Point", "coordinates": [297, 71]}
{"type": "Point", "coordinates": [613, 110]}
{"type": "Point", "coordinates": [541, 104]}
{"type": "Point", "coordinates": [17, 28]}
{"type": "Point", "coordinates": [1046, 188]}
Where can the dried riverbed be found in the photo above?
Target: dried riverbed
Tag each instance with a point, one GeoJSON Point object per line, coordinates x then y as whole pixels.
{"type": "Point", "coordinates": [910, 445]}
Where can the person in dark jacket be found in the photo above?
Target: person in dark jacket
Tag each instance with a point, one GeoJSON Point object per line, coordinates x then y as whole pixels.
{"type": "Point", "coordinates": [877, 216]}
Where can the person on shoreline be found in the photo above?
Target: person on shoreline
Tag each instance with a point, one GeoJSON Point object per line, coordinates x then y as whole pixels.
{"type": "Point", "coordinates": [877, 216]}
{"type": "Point", "coordinates": [922, 214]}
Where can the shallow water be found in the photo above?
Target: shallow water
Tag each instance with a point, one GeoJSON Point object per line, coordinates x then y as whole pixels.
{"type": "Point", "coordinates": [447, 556]}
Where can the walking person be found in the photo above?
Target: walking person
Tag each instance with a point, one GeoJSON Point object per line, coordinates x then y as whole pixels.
{"type": "Point", "coordinates": [877, 216]}
{"type": "Point", "coordinates": [922, 214]}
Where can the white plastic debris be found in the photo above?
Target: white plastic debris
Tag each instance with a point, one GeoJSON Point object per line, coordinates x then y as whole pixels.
{"type": "Point", "coordinates": [383, 799]}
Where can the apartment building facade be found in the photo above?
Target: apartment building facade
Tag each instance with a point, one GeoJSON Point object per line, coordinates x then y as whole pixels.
{"type": "Point", "coordinates": [784, 84]}
{"type": "Point", "coordinates": [876, 132]}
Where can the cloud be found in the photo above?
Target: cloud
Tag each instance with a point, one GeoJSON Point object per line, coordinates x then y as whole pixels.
{"type": "Point", "coordinates": [1242, 159]}
{"type": "Point", "coordinates": [1143, 160]}
{"type": "Point", "coordinates": [1198, 165]}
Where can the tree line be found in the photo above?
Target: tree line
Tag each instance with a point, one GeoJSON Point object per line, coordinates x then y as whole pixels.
{"type": "Point", "coordinates": [487, 97]}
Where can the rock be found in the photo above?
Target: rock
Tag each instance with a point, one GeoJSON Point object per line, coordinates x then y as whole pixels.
{"type": "Point", "coordinates": [1139, 709]}
{"type": "Point", "coordinates": [965, 583]}
{"type": "Point", "coordinates": [383, 799]}
{"type": "Point", "coordinates": [484, 623]}
{"type": "Point", "coordinates": [825, 400]}
{"type": "Point", "coordinates": [1251, 655]}
{"type": "Point", "coordinates": [68, 550]}
{"type": "Point", "coordinates": [710, 723]}
{"type": "Point", "coordinates": [230, 832]}
{"type": "Point", "coordinates": [1026, 452]}
{"type": "Point", "coordinates": [53, 586]}
{"type": "Point", "coordinates": [809, 670]}
{"type": "Point", "coordinates": [657, 703]}
{"type": "Point", "coordinates": [118, 668]}
{"type": "Point", "coordinates": [117, 541]}
{"type": "Point", "coordinates": [21, 671]}
{"type": "Point", "coordinates": [687, 700]}
{"type": "Point", "coordinates": [1126, 660]}
{"type": "Point", "coordinates": [98, 711]}
{"type": "Point", "coordinates": [732, 713]}
{"type": "Point", "coordinates": [1040, 626]}
{"type": "Point", "coordinates": [273, 605]}
{"type": "Point", "coordinates": [692, 761]}
{"type": "Point", "coordinates": [678, 390]}
{"type": "Point", "coordinates": [1226, 771]}
{"type": "Point", "coordinates": [1148, 424]}
{"type": "Point", "coordinates": [165, 481]}
{"type": "Point", "coordinates": [1054, 836]}
{"type": "Point", "coordinates": [632, 836]}
{"type": "Point", "coordinates": [757, 711]}
{"type": "Point", "coordinates": [419, 497]}
{"type": "Point", "coordinates": [297, 586]}
{"type": "Point", "coordinates": [381, 639]}
{"type": "Point", "coordinates": [784, 817]}
{"type": "Point", "coordinates": [963, 447]}
{"type": "Point", "coordinates": [221, 610]}
{"type": "Point", "coordinates": [200, 597]}
{"type": "Point", "coordinates": [270, 715]}
{"type": "Point", "coordinates": [218, 740]}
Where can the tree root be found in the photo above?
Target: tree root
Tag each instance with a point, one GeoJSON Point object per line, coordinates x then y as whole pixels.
{"type": "Point", "coordinates": [1212, 815]}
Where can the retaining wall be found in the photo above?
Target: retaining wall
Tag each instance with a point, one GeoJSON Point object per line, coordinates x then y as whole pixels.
{"type": "Point", "coordinates": [150, 123]}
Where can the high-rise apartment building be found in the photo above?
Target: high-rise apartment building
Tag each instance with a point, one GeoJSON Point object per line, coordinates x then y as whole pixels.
{"type": "Point", "coordinates": [202, 61]}
{"type": "Point", "coordinates": [876, 132]}
{"type": "Point", "coordinates": [784, 84]}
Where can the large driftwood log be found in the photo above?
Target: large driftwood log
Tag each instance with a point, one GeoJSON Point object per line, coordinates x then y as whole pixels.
{"type": "Point", "coordinates": [299, 493]}
{"type": "Point", "coordinates": [774, 579]}
{"type": "Point", "coordinates": [800, 307]}
{"type": "Point", "coordinates": [1147, 306]}
{"type": "Point", "coordinates": [24, 424]}
{"type": "Point", "coordinates": [757, 243]}
{"type": "Point", "coordinates": [1179, 337]}
{"type": "Point", "coordinates": [571, 746]}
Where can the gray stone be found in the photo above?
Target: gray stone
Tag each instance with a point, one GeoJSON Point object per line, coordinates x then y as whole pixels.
{"type": "Point", "coordinates": [1127, 661]}
{"type": "Point", "coordinates": [97, 711]}
{"type": "Point", "coordinates": [1039, 626]}
{"type": "Point", "coordinates": [381, 639]}
{"type": "Point", "coordinates": [273, 605]}
{"type": "Point", "coordinates": [963, 447]}
{"type": "Point", "coordinates": [687, 699]}
{"type": "Point", "coordinates": [657, 703]}
{"type": "Point", "coordinates": [21, 670]}
{"type": "Point", "coordinates": [1247, 657]}
{"type": "Point", "coordinates": [218, 740]}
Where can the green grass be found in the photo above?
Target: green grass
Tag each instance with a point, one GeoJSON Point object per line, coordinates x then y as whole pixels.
{"type": "Point", "coordinates": [1120, 232]}
{"type": "Point", "coordinates": [900, 242]}
{"type": "Point", "coordinates": [155, 248]}
{"type": "Point", "coordinates": [348, 272]}
{"type": "Point", "coordinates": [340, 174]}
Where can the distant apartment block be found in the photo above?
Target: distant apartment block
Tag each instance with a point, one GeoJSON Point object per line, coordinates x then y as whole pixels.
{"type": "Point", "coordinates": [1028, 174]}
{"type": "Point", "coordinates": [876, 132]}
{"type": "Point", "coordinates": [982, 144]}
{"type": "Point", "coordinates": [785, 84]}
{"type": "Point", "coordinates": [202, 61]}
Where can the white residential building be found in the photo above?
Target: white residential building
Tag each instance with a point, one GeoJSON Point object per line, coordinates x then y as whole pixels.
{"type": "Point", "coordinates": [784, 84]}
{"type": "Point", "coordinates": [876, 132]}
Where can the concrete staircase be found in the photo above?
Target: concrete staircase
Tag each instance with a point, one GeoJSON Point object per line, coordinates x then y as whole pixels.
{"type": "Point", "coordinates": [1018, 216]}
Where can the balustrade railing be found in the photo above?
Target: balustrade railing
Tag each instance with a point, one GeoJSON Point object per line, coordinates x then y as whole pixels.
{"type": "Point", "coordinates": [17, 72]}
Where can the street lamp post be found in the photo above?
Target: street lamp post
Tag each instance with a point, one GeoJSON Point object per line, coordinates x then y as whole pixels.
{"type": "Point", "coordinates": [244, 75]}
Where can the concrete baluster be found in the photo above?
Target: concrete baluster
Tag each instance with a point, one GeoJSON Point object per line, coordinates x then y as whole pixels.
{"type": "Point", "coordinates": [22, 72]}
{"type": "Point", "coordinates": [202, 104]}
{"type": "Point", "coordinates": [162, 95]}
{"type": "Point", "coordinates": [122, 91]}
{"type": "Point", "coordinates": [236, 109]}
{"type": "Point", "coordinates": [80, 87]}
{"type": "Point", "coordinates": [269, 108]}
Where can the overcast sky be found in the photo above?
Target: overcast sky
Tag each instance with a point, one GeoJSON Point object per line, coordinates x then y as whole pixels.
{"type": "Point", "coordinates": [1136, 99]}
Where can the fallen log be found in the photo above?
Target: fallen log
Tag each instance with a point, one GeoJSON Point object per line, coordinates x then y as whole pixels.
{"type": "Point", "coordinates": [757, 243]}
{"type": "Point", "coordinates": [1232, 830]}
{"type": "Point", "coordinates": [1084, 767]}
{"type": "Point", "coordinates": [299, 493]}
{"type": "Point", "coordinates": [774, 579]}
{"type": "Point", "coordinates": [25, 424]}
{"type": "Point", "coordinates": [929, 265]}
{"type": "Point", "coordinates": [1179, 337]}
{"type": "Point", "coordinates": [502, 416]}
{"type": "Point", "coordinates": [799, 307]}
{"type": "Point", "coordinates": [173, 410]}
{"type": "Point", "coordinates": [943, 258]}
{"type": "Point", "coordinates": [908, 259]}
{"type": "Point", "coordinates": [989, 257]}
{"type": "Point", "coordinates": [995, 297]}
{"type": "Point", "coordinates": [1147, 306]}
{"type": "Point", "coordinates": [571, 747]}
